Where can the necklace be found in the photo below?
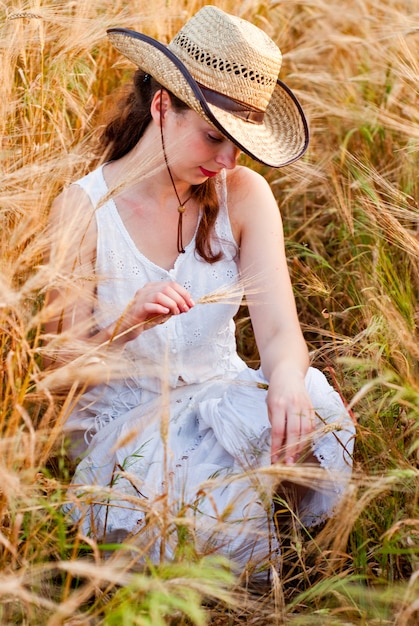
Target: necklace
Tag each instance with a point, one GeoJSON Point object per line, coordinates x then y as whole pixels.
{"type": "Point", "coordinates": [181, 208]}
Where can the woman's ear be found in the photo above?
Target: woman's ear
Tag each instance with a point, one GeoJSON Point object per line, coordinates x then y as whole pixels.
{"type": "Point", "coordinates": [160, 105]}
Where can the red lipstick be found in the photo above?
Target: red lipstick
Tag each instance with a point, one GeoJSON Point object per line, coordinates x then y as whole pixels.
{"type": "Point", "coordinates": [207, 172]}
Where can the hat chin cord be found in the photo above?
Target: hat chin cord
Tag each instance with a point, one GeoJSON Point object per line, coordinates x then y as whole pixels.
{"type": "Point", "coordinates": [181, 208]}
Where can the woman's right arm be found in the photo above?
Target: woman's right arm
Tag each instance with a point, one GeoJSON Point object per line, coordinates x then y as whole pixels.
{"type": "Point", "coordinates": [71, 295]}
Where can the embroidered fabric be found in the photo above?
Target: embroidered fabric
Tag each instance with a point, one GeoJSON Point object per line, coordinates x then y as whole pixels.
{"type": "Point", "coordinates": [173, 423]}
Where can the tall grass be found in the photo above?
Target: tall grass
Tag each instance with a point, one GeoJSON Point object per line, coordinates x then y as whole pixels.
{"type": "Point", "coordinates": [350, 210]}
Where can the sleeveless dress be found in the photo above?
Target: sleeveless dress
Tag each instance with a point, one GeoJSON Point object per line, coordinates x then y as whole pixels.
{"type": "Point", "coordinates": [174, 446]}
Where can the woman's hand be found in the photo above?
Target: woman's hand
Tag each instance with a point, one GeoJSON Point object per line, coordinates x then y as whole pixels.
{"type": "Point", "coordinates": [153, 304]}
{"type": "Point", "coordinates": [292, 417]}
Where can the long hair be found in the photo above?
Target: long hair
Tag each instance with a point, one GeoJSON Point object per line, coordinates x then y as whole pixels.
{"type": "Point", "coordinates": [125, 129]}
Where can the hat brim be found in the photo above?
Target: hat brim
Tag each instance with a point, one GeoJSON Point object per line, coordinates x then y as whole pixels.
{"type": "Point", "coordinates": [281, 139]}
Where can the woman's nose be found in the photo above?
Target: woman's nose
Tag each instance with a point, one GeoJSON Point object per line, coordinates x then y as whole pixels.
{"type": "Point", "coordinates": [227, 157]}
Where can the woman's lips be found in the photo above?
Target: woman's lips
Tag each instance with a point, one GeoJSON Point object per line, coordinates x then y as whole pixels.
{"type": "Point", "coordinates": [207, 172]}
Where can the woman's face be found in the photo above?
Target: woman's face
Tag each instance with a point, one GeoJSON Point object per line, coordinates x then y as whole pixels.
{"type": "Point", "coordinates": [195, 149]}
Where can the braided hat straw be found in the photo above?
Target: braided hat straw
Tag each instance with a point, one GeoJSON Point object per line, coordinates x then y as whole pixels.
{"type": "Point", "coordinates": [226, 69]}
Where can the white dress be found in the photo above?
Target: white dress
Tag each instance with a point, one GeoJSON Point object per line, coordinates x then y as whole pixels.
{"type": "Point", "coordinates": [176, 443]}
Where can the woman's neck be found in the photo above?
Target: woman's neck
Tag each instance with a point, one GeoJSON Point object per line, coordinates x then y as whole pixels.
{"type": "Point", "coordinates": [144, 170]}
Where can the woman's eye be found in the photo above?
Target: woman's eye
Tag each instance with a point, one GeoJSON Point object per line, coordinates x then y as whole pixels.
{"type": "Point", "coordinates": [214, 138]}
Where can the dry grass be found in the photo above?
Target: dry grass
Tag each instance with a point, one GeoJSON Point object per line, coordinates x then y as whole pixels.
{"type": "Point", "coordinates": [350, 211]}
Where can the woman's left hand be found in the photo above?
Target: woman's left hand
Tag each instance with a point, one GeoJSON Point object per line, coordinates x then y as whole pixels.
{"type": "Point", "coordinates": [292, 417]}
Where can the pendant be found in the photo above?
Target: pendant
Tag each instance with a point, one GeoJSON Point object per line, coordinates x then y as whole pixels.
{"type": "Point", "coordinates": [181, 208]}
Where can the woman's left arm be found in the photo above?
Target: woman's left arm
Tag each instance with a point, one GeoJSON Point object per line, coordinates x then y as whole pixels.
{"type": "Point", "coordinates": [283, 351]}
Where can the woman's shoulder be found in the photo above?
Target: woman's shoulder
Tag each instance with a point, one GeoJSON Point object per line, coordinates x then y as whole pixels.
{"type": "Point", "coordinates": [79, 196]}
{"type": "Point", "coordinates": [243, 182]}
{"type": "Point", "coordinates": [246, 189]}
{"type": "Point", "coordinates": [70, 197]}
{"type": "Point", "coordinates": [250, 199]}
{"type": "Point", "coordinates": [71, 220]}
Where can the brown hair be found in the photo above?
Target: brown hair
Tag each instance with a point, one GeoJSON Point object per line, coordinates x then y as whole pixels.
{"type": "Point", "coordinates": [126, 128]}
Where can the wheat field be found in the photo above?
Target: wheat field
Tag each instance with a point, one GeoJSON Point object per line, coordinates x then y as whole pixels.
{"type": "Point", "coordinates": [351, 218]}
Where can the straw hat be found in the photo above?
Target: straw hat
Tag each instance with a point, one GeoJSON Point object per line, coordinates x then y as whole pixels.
{"type": "Point", "coordinates": [226, 69]}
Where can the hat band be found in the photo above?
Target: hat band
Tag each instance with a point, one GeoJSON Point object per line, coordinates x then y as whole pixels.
{"type": "Point", "coordinates": [245, 112]}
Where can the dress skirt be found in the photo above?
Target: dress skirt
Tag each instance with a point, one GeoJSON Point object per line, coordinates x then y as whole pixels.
{"type": "Point", "coordinates": [193, 464]}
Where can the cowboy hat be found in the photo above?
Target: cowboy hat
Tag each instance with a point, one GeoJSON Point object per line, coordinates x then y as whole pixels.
{"type": "Point", "coordinates": [226, 69]}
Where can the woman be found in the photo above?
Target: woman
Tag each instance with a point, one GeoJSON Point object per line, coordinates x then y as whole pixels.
{"type": "Point", "coordinates": [175, 232]}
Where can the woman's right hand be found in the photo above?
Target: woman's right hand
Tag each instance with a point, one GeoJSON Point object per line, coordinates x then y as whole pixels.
{"type": "Point", "coordinates": [151, 305]}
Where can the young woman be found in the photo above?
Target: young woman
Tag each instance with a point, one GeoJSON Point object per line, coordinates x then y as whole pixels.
{"type": "Point", "coordinates": [174, 232]}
